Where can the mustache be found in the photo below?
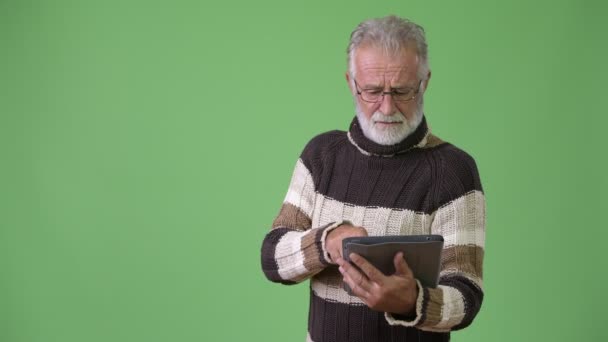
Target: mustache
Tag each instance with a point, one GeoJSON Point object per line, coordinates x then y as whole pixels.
{"type": "Point", "coordinates": [397, 117]}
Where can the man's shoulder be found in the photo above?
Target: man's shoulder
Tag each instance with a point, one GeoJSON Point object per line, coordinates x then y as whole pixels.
{"type": "Point", "coordinates": [457, 167]}
{"type": "Point", "coordinates": [323, 143]}
{"type": "Point", "coordinates": [455, 154]}
{"type": "Point", "coordinates": [447, 150]}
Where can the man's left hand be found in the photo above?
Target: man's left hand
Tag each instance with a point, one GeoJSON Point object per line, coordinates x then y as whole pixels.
{"type": "Point", "coordinates": [396, 293]}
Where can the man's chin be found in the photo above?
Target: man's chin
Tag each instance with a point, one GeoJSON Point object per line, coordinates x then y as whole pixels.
{"type": "Point", "coordinates": [388, 134]}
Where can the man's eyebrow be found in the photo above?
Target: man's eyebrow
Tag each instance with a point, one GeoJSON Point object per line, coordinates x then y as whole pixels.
{"type": "Point", "coordinates": [405, 86]}
{"type": "Point", "coordinates": [371, 86]}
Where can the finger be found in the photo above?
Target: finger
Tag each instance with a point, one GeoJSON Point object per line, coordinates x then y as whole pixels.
{"type": "Point", "coordinates": [401, 266]}
{"type": "Point", "coordinates": [358, 278]}
{"type": "Point", "coordinates": [368, 269]}
{"type": "Point", "coordinates": [335, 254]}
{"type": "Point", "coordinates": [359, 288]}
{"type": "Point", "coordinates": [340, 261]}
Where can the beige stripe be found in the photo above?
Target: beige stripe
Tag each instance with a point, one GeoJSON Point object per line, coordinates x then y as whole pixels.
{"type": "Point", "coordinates": [433, 308]}
{"type": "Point", "coordinates": [376, 220]}
{"type": "Point", "coordinates": [301, 192]}
{"type": "Point", "coordinates": [467, 259]}
{"type": "Point", "coordinates": [462, 221]}
{"type": "Point", "coordinates": [291, 216]}
{"type": "Point", "coordinates": [452, 309]}
{"type": "Point", "coordinates": [432, 141]}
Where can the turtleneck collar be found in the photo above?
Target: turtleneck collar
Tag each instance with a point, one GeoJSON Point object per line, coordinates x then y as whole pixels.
{"type": "Point", "coordinates": [368, 147]}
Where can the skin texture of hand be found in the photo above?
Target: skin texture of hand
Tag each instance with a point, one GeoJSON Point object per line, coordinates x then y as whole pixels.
{"type": "Point", "coordinates": [396, 293]}
{"type": "Point", "coordinates": [333, 241]}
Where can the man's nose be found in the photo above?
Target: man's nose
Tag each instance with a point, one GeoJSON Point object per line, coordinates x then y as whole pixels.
{"type": "Point", "coordinates": [387, 106]}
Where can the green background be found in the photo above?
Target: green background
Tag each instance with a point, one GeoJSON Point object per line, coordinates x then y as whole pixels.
{"type": "Point", "coordinates": [147, 146]}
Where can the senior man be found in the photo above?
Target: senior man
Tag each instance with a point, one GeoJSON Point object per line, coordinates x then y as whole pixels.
{"type": "Point", "coordinates": [388, 175]}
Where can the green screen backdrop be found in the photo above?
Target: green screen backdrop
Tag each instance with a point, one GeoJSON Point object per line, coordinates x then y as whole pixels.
{"type": "Point", "coordinates": [146, 147]}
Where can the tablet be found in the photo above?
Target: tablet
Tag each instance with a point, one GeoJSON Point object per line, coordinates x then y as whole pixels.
{"type": "Point", "coordinates": [421, 252]}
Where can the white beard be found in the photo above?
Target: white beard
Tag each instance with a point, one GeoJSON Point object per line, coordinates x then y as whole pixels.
{"type": "Point", "coordinates": [388, 134]}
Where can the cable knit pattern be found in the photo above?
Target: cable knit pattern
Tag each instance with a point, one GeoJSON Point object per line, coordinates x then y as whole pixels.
{"type": "Point", "coordinates": [421, 185]}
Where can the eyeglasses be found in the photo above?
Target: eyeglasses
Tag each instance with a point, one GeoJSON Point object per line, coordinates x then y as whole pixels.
{"type": "Point", "coordinates": [377, 95]}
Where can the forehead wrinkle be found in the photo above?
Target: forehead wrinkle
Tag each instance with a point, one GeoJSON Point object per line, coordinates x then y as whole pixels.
{"type": "Point", "coordinates": [378, 69]}
{"type": "Point", "coordinates": [385, 67]}
{"type": "Point", "coordinates": [383, 74]}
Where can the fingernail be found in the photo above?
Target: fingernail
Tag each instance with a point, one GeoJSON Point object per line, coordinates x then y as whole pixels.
{"type": "Point", "coordinates": [341, 269]}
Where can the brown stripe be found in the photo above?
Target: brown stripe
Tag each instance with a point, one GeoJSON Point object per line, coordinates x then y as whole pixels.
{"type": "Point", "coordinates": [467, 259]}
{"type": "Point", "coordinates": [293, 217]}
{"type": "Point", "coordinates": [312, 249]}
{"type": "Point", "coordinates": [433, 307]}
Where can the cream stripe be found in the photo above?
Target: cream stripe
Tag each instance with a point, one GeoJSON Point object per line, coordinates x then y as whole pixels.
{"type": "Point", "coordinates": [452, 311]}
{"type": "Point", "coordinates": [290, 257]}
{"type": "Point", "coordinates": [376, 220]}
{"type": "Point", "coordinates": [301, 192]}
{"type": "Point", "coordinates": [462, 221]}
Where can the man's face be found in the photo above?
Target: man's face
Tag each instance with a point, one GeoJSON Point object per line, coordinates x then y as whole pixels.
{"type": "Point", "coordinates": [387, 122]}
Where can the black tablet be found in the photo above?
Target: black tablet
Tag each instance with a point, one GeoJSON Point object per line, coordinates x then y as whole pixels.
{"type": "Point", "coordinates": [421, 252]}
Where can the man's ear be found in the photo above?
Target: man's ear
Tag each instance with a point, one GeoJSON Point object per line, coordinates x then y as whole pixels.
{"type": "Point", "coordinates": [347, 74]}
{"type": "Point", "coordinates": [425, 84]}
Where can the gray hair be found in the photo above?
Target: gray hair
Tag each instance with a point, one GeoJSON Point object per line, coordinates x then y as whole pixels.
{"type": "Point", "coordinates": [391, 34]}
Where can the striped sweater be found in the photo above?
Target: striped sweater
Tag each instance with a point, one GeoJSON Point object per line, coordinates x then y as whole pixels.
{"type": "Point", "coordinates": [421, 185]}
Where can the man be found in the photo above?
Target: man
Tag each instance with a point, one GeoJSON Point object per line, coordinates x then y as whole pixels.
{"type": "Point", "coordinates": [388, 175]}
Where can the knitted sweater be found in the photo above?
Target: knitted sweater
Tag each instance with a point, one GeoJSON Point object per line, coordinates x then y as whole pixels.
{"type": "Point", "coordinates": [421, 185]}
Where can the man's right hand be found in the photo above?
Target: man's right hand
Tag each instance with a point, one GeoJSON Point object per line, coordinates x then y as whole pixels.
{"type": "Point", "coordinates": [333, 240]}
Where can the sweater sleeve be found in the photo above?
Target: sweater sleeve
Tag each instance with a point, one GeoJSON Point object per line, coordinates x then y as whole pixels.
{"type": "Point", "coordinates": [461, 221]}
{"type": "Point", "coordinates": [293, 250]}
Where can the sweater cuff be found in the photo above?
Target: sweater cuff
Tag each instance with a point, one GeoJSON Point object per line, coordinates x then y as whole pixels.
{"type": "Point", "coordinates": [326, 231]}
{"type": "Point", "coordinates": [395, 319]}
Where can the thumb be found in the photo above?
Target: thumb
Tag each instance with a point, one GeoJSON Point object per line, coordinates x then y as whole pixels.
{"type": "Point", "coordinates": [401, 267]}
